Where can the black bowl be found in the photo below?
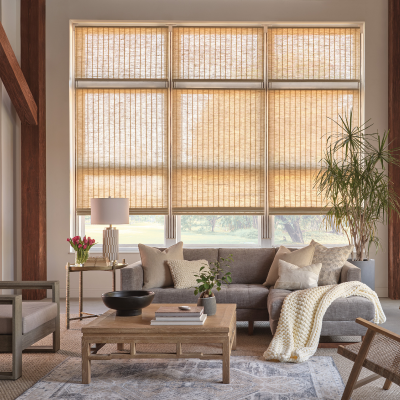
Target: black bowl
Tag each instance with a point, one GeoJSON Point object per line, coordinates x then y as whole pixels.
{"type": "Point", "coordinates": [128, 302]}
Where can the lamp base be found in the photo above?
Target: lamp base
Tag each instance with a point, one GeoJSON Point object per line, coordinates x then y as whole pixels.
{"type": "Point", "coordinates": [111, 243]}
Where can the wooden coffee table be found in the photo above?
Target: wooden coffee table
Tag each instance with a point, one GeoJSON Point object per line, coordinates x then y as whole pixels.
{"type": "Point", "coordinates": [108, 328]}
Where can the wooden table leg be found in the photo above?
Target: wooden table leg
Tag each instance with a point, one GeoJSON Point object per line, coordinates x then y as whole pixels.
{"type": "Point", "coordinates": [226, 358]}
{"type": "Point", "coordinates": [80, 294]}
{"type": "Point", "coordinates": [234, 338]}
{"type": "Point", "coordinates": [120, 346]}
{"type": "Point", "coordinates": [387, 384]}
{"type": "Point", "coordinates": [86, 367]}
{"type": "Point", "coordinates": [67, 295]}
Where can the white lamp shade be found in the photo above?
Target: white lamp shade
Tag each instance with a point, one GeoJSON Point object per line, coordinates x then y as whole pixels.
{"type": "Point", "coordinates": [109, 211]}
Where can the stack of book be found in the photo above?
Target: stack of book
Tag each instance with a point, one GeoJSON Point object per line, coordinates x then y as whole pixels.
{"type": "Point", "coordinates": [174, 316]}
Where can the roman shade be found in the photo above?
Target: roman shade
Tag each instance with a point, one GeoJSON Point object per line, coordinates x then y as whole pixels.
{"type": "Point", "coordinates": [121, 148]}
{"type": "Point", "coordinates": [121, 52]}
{"type": "Point", "coordinates": [218, 159]}
{"type": "Point", "coordinates": [218, 53]}
{"type": "Point", "coordinates": [314, 53]}
{"type": "Point", "coordinates": [300, 119]}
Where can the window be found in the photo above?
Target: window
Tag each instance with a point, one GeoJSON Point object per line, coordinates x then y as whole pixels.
{"type": "Point", "coordinates": [220, 229]}
{"type": "Point", "coordinates": [147, 229]}
{"type": "Point", "coordinates": [214, 128]}
{"type": "Point", "coordinates": [299, 230]}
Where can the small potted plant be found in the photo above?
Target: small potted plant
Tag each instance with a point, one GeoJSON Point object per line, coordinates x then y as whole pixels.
{"type": "Point", "coordinates": [210, 278]}
{"type": "Point", "coordinates": [81, 247]}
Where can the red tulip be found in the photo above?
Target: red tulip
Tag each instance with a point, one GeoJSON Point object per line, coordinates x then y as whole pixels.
{"type": "Point", "coordinates": [85, 246]}
{"type": "Point", "coordinates": [80, 246]}
{"type": "Point", "coordinates": [68, 239]}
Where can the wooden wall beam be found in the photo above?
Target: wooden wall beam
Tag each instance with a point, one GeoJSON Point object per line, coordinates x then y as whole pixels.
{"type": "Point", "coordinates": [15, 83]}
{"type": "Point", "coordinates": [33, 149]}
{"type": "Point", "coordinates": [394, 138]}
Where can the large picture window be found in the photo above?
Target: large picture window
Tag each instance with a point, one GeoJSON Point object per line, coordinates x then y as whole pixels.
{"type": "Point", "coordinates": [218, 128]}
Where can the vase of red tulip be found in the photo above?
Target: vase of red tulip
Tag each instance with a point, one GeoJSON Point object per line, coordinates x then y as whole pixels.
{"type": "Point", "coordinates": [81, 247]}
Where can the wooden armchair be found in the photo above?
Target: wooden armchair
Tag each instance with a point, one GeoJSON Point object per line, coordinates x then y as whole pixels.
{"type": "Point", "coordinates": [379, 352]}
{"type": "Point", "coordinates": [23, 323]}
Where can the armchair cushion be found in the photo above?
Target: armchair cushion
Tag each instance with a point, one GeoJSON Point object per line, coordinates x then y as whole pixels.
{"type": "Point", "coordinates": [34, 314]}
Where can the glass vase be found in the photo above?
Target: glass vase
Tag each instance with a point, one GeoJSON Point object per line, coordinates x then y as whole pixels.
{"type": "Point", "coordinates": [81, 256]}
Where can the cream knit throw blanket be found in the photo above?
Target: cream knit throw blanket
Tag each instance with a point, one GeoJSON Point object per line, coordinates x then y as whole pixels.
{"type": "Point", "coordinates": [297, 336]}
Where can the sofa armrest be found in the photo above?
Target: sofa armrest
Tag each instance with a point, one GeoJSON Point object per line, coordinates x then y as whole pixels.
{"type": "Point", "coordinates": [132, 277]}
{"type": "Point", "coordinates": [350, 273]}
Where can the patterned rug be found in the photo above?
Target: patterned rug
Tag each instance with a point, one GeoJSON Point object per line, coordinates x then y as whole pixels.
{"type": "Point", "coordinates": [251, 379]}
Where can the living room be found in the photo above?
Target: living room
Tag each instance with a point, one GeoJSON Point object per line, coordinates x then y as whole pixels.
{"type": "Point", "coordinates": [230, 133]}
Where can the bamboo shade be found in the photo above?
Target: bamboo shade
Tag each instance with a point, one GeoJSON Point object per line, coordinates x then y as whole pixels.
{"type": "Point", "coordinates": [121, 52]}
{"type": "Point", "coordinates": [121, 148]}
{"type": "Point", "coordinates": [217, 53]}
{"type": "Point", "coordinates": [298, 127]}
{"type": "Point", "coordinates": [218, 159]}
{"type": "Point", "coordinates": [314, 53]}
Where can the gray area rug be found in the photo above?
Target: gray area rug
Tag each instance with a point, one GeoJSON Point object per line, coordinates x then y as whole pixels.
{"type": "Point", "coordinates": [251, 378]}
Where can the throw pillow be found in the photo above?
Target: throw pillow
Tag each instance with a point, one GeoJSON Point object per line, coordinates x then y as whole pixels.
{"type": "Point", "coordinates": [183, 272]}
{"type": "Point", "coordinates": [156, 272]}
{"type": "Point", "coordinates": [292, 277]}
{"type": "Point", "coordinates": [301, 258]}
{"type": "Point", "coordinates": [332, 260]}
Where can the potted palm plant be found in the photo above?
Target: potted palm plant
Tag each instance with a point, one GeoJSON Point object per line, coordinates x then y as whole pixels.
{"type": "Point", "coordinates": [210, 278]}
{"type": "Point", "coordinates": [356, 188]}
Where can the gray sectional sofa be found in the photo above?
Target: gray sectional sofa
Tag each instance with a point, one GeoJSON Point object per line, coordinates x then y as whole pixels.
{"type": "Point", "coordinates": [254, 301]}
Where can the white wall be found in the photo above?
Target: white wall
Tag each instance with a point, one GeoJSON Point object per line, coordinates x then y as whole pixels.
{"type": "Point", "coordinates": [59, 12]}
{"type": "Point", "coordinates": [10, 129]}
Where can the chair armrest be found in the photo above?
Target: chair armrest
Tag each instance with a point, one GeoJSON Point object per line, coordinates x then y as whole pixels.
{"type": "Point", "coordinates": [132, 277]}
{"type": "Point", "coordinates": [350, 273]}
{"type": "Point", "coordinates": [54, 286]}
{"type": "Point", "coordinates": [378, 329]}
{"type": "Point", "coordinates": [16, 301]}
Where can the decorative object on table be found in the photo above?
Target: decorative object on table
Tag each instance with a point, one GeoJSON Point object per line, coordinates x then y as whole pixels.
{"type": "Point", "coordinates": [332, 260]}
{"type": "Point", "coordinates": [156, 272]}
{"type": "Point", "coordinates": [128, 303]}
{"type": "Point", "coordinates": [170, 315]}
{"type": "Point", "coordinates": [379, 352]}
{"type": "Point", "coordinates": [72, 268]}
{"type": "Point", "coordinates": [81, 247]}
{"type": "Point", "coordinates": [183, 272]}
{"type": "Point", "coordinates": [356, 188]}
{"type": "Point", "coordinates": [97, 262]}
{"type": "Point", "coordinates": [292, 277]}
{"type": "Point", "coordinates": [300, 322]}
{"type": "Point", "coordinates": [301, 258]}
{"type": "Point", "coordinates": [110, 212]}
{"type": "Point", "coordinates": [209, 278]}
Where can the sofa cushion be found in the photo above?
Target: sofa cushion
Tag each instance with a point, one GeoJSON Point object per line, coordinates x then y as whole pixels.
{"type": "Point", "coordinates": [300, 257]}
{"type": "Point", "coordinates": [34, 314]}
{"type": "Point", "coordinates": [292, 277]}
{"type": "Point", "coordinates": [211, 255]}
{"type": "Point", "coordinates": [342, 309]}
{"type": "Point", "coordinates": [156, 272]}
{"type": "Point", "coordinates": [184, 272]}
{"type": "Point", "coordinates": [243, 295]}
{"type": "Point", "coordinates": [249, 265]}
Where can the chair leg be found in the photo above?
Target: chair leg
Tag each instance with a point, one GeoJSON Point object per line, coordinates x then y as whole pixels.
{"type": "Point", "coordinates": [358, 363]}
{"type": "Point", "coordinates": [56, 335]}
{"type": "Point", "coordinates": [387, 384]}
{"type": "Point", "coordinates": [251, 328]}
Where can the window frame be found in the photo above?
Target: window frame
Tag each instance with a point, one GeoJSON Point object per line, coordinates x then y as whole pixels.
{"type": "Point", "coordinates": [172, 223]}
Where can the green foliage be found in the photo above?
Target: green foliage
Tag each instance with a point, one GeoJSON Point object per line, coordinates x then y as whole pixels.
{"type": "Point", "coordinates": [355, 185]}
{"type": "Point", "coordinates": [214, 277]}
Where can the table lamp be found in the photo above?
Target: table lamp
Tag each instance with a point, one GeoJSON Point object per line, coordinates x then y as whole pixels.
{"type": "Point", "coordinates": [108, 212]}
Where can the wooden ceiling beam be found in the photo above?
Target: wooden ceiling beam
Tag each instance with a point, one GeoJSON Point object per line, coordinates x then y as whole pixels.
{"type": "Point", "coordinates": [15, 82]}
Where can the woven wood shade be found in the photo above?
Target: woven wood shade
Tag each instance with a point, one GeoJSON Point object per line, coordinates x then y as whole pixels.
{"type": "Point", "coordinates": [298, 127]}
{"type": "Point", "coordinates": [314, 53]}
{"type": "Point", "coordinates": [217, 53]}
{"type": "Point", "coordinates": [218, 159]}
{"type": "Point", "coordinates": [121, 53]}
{"type": "Point", "coordinates": [121, 148]}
